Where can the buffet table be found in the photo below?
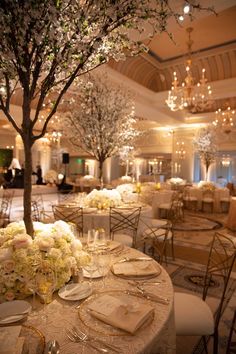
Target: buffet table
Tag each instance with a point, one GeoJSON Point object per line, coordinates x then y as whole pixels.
{"type": "Point", "coordinates": [157, 335]}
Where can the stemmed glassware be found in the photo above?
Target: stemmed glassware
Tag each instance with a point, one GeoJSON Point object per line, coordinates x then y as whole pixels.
{"type": "Point", "coordinates": [45, 284]}
{"type": "Point", "coordinates": [104, 263]}
{"type": "Point", "coordinates": [91, 267]}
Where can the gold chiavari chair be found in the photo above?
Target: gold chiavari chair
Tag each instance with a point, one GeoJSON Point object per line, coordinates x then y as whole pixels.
{"type": "Point", "coordinates": [70, 214]}
{"type": "Point", "coordinates": [124, 220]}
{"type": "Point", "coordinates": [193, 315]}
{"type": "Point", "coordinates": [208, 201]}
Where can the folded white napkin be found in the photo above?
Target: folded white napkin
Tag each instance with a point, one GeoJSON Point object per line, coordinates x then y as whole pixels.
{"type": "Point", "coordinates": [10, 342]}
{"type": "Point", "coordinates": [121, 312]}
{"type": "Point", "coordinates": [76, 289]}
{"type": "Point", "coordinates": [136, 268]}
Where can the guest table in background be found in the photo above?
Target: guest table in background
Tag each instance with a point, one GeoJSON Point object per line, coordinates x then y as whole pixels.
{"type": "Point", "coordinates": [231, 221]}
{"type": "Point", "coordinates": [218, 194]}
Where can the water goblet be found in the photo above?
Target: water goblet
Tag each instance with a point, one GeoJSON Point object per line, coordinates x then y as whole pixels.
{"type": "Point", "coordinates": [91, 239]}
{"type": "Point", "coordinates": [91, 267]}
{"type": "Point", "coordinates": [104, 263]}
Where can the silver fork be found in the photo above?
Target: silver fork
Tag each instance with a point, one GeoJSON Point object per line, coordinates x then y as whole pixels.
{"type": "Point", "coordinates": [75, 338]}
{"type": "Point", "coordinates": [86, 337]}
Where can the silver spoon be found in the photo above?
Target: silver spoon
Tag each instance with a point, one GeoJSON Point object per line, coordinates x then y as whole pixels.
{"type": "Point", "coordinates": [53, 347]}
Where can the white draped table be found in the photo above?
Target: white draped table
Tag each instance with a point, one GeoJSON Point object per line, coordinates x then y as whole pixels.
{"type": "Point", "coordinates": [100, 219]}
{"type": "Point", "coordinates": [157, 337]}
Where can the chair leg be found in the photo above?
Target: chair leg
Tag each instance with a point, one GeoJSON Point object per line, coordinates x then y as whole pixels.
{"type": "Point", "coordinates": [205, 344]}
{"type": "Point", "coordinates": [215, 344]}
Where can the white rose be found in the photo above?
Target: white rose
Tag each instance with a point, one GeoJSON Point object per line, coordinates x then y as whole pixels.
{"type": "Point", "coordinates": [5, 254]}
{"type": "Point", "coordinates": [22, 241]}
{"type": "Point", "coordinates": [55, 253]}
{"type": "Point", "coordinates": [76, 245]}
{"type": "Point", "coordinates": [44, 243]}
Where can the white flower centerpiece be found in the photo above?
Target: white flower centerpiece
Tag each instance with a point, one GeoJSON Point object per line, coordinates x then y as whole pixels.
{"type": "Point", "coordinates": [210, 186]}
{"type": "Point", "coordinates": [176, 182]}
{"type": "Point", "coordinates": [103, 199]}
{"type": "Point", "coordinates": [20, 254]}
{"type": "Point", "coordinates": [50, 177]}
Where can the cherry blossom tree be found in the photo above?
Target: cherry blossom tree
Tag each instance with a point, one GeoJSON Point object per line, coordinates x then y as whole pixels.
{"type": "Point", "coordinates": [101, 122]}
{"type": "Point", "coordinates": [205, 146]}
{"type": "Point", "coordinates": [46, 44]}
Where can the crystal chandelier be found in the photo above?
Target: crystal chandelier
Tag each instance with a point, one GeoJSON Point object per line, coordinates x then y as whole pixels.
{"type": "Point", "coordinates": [194, 98]}
{"type": "Point", "coordinates": [226, 161]}
{"type": "Point", "coordinates": [225, 120]}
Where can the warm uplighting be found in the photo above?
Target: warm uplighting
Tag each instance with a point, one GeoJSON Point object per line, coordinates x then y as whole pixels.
{"type": "Point", "coordinates": [225, 120]}
{"type": "Point", "coordinates": [155, 166]}
{"type": "Point", "coordinates": [194, 98]}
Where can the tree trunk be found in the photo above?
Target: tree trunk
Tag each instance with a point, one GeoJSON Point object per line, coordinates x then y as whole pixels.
{"type": "Point", "coordinates": [207, 168]}
{"type": "Point", "coordinates": [101, 173]}
{"type": "Point", "coordinates": [28, 186]}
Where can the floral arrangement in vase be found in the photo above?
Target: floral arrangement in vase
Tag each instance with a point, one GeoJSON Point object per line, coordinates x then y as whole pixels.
{"type": "Point", "coordinates": [103, 199]}
{"type": "Point", "coordinates": [50, 176]}
{"type": "Point", "coordinates": [20, 255]}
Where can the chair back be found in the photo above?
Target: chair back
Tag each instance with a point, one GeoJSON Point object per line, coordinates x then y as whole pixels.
{"type": "Point", "coordinates": [70, 214]}
{"type": "Point", "coordinates": [6, 204]}
{"type": "Point", "coordinates": [35, 211]}
{"type": "Point", "coordinates": [124, 219]}
{"type": "Point", "coordinates": [220, 262]}
{"type": "Point", "coordinates": [160, 242]}
{"type": "Point", "coordinates": [175, 213]}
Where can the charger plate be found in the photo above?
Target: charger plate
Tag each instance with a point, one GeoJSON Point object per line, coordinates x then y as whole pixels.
{"type": "Point", "coordinates": [96, 325]}
{"type": "Point", "coordinates": [138, 277]}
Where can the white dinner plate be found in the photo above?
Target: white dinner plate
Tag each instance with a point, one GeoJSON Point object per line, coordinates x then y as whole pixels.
{"type": "Point", "coordinates": [75, 291]}
{"type": "Point", "coordinates": [13, 311]}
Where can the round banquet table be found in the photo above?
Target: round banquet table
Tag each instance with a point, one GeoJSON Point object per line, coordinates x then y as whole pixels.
{"type": "Point", "coordinates": [100, 219]}
{"type": "Point", "coordinates": [157, 336]}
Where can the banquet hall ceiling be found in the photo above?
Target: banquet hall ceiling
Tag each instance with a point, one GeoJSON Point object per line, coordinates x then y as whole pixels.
{"type": "Point", "coordinates": [213, 48]}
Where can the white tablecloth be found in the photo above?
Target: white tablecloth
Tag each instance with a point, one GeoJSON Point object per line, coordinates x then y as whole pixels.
{"type": "Point", "coordinates": [100, 219]}
{"type": "Point", "coordinates": [157, 337]}
{"type": "Point", "coordinates": [160, 197]}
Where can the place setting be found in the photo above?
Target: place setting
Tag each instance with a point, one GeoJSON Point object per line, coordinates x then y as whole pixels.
{"type": "Point", "coordinates": [116, 313]}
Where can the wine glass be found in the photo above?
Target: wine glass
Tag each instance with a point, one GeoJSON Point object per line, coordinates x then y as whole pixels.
{"type": "Point", "coordinates": [91, 267]}
{"type": "Point", "coordinates": [91, 239]}
{"type": "Point", "coordinates": [45, 284]}
{"type": "Point", "coordinates": [104, 263]}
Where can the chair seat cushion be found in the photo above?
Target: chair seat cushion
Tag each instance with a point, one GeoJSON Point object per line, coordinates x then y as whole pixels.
{"type": "Point", "coordinates": [225, 200]}
{"type": "Point", "coordinates": [208, 200]}
{"type": "Point", "coordinates": [193, 317]}
{"type": "Point", "coordinates": [159, 222]}
{"type": "Point", "coordinates": [125, 239]}
{"type": "Point", "coordinates": [164, 206]}
{"type": "Point", "coordinates": [190, 199]}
